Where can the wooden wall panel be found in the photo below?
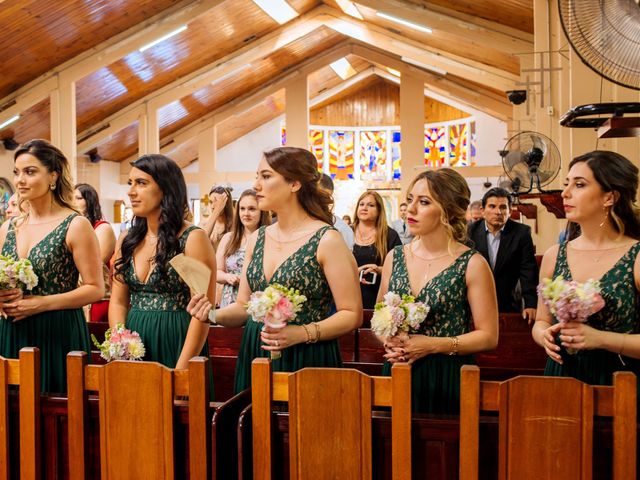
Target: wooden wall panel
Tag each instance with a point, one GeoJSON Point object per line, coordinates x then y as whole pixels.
{"type": "Point", "coordinates": [375, 102]}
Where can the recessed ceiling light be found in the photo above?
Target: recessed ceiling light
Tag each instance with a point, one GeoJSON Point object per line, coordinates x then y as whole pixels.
{"type": "Point", "coordinates": [343, 68]}
{"type": "Point", "coordinates": [406, 23]}
{"type": "Point", "coordinates": [163, 38]}
{"type": "Point", "coordinates": [279, 10]}
{"type": "Point", "coordinates": [349, 8]}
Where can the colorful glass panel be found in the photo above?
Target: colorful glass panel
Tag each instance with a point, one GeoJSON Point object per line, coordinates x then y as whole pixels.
{"type": "Point", "coordinates": [373, 155]}
{"type": "Point", "coordinates": [283, 134]}
{"type": "Point", "coordinates": [341, 155]}
{"type": "Point", "coordinates": [316, 146]}
{"type": "Point", "coordinates": [435, 147]}
{"type": "Point", "coordinates": [459, 145]}
{"type": "Point", "coordinates": [473, 144]}
{"type": "Point", "coordinates": [396, 137]}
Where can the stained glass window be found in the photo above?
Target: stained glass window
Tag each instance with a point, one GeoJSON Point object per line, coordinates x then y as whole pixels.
{"type": "Point", "coordinates": [435, 147]}
{"type": "Point", "coordinates": [373, 155]}
{"type": "Point", "coordinates": [459, 145]}
{"type": "Point", "coordinates": [341, 154]}
{"type": "Point", "coordinates": [316, 146]}
{"type": "Point", "coordinates": [395, 154]}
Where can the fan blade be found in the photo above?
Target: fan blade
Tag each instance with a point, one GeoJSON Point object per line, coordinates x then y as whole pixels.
{"type": "Point", "coordinates": [511, 159]}
{"type": "Point", "coordinates": [539, 143]}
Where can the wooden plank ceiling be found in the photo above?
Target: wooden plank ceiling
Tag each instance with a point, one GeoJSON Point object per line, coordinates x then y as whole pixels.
{"type": "Point", "coordinates": [475, 42]}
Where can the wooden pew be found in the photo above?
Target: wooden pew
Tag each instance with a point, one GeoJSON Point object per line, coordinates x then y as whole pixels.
{"type": "Point", "coordinates": [24, 373]}
{"type": "Point", "coordinates": [546, 425]}
{"type": "Point", "coordinates": [136, 406]}
{"type": "Point", "coordinates": [315, 442]}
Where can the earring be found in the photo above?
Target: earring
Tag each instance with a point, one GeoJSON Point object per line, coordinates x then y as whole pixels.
{"type": "Point", "coordinates": [606, 215]}
{"type": "Point", "coordinates": [52, 187]}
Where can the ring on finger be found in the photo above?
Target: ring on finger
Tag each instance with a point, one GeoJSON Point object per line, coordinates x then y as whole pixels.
{"type": "Point", "coordinates": [277, 343]}
{"type": "Point", "coordinates": [570, 339]}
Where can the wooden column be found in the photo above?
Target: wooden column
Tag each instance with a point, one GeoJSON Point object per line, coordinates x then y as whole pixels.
{"type": "Point", "coordinates": [63, 121]}
{"type": "Point", "coordinates": [207, 149]}
{"type": "Point", "coordinates": [411, 127]}
{"type": "Point", "coordinates": [297, 112]}
{"type": "Point", "coordinates": [151, 138]}
{"type": "Point", "coordinates": [143, 144]}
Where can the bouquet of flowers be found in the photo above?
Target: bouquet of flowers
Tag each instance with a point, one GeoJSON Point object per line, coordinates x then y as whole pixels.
{"type": "Point", "coordinates": [16, 274]}
{"type": "Point", "coordinates": [571, 301]}
{"type": "Point", "coordinates": [397, 315]}
{"type": "Point", "coordinates": [120, 344]}
{"type": "Point", "coordinates": [275, 306]}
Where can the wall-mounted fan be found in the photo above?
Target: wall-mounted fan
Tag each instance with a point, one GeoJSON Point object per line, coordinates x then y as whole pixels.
{"type": "Point", "coordinates": [530, 160]}
{"type": "Point", "coordinates": [606, 37]}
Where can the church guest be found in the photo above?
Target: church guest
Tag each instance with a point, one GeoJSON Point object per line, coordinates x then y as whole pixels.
{"type": "Point", "coordinates": [508, 247]}
{"type": "Point", "coordinates": [373, 240]}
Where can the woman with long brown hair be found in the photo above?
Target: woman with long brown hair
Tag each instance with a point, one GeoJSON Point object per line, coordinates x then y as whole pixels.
{"type": "Point", "coordinates": [61, 245]}
{"type": "Point", "coordinates": [231, 250]}
{"type": "Point", "coordinates": [373, 240]}
{"type": "Point", "coordinates": [301, 251]}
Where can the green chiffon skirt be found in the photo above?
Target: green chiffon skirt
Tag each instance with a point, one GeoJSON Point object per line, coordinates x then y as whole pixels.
{"type": "Point", "coordinates": [435, 383]}
{"type": "Point", "coordinates": [163, 334]}
{"type": "Point", "coordinates": [296, 357]}
{"type": "Point", "coordinates": [55, 333]}
{"type": "Point", "coordinates": [595, 367]}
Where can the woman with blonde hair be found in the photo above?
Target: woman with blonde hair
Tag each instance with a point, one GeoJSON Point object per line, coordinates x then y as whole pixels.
{"type": "Point", "coordinates": [373, 240]}
{"type": "Point", "coordinates": [455, 282]}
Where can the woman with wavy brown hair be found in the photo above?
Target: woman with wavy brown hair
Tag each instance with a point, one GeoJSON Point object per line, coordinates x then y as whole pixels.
{"type": "Point", "coordinates": [453, 280]}
{"type": "Point", "coordinates": [220, 217]}
{"type": "Point", "coordinates": [301, 251]}
{"type": "Point", "coordinates": [373, 240]}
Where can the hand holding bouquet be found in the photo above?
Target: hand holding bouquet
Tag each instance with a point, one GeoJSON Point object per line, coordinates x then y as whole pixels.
{"type": "Point", "coordinates": [120, 344]}
{"type": "Point", "coordinates": [571, 301]}
{"type": "Point", "coordinates": [16, 274]}
{"type": "Point", "coordinates": [275, 306]}
{"type": "Point", "coordinates": [397, 315]}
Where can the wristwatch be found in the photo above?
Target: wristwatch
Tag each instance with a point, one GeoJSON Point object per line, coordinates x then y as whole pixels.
{"type": "Point", "coordinates": [212, 316]}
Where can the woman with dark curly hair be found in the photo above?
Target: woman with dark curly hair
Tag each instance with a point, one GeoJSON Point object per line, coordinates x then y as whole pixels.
{"type": "Point", "coordinates": [301, 251]}
{"type": "Point", "coordinates": [61, 245]}
{"type": "Point", "coordinates": [148, 294]}
{"type": "Point", "coordinates": [86, 201]}
{"type": "Point", "coordinates": [454, 281]}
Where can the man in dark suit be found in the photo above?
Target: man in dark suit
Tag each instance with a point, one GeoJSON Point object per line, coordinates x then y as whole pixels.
{"type": "Point", "coordinates": [508, 247]}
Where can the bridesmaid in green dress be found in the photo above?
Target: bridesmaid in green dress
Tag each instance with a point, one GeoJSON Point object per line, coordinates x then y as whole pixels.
{"type": "Point", "coordinates": [148, 295]}
{"type": "Point", "coordinates": [457, 284]}
{"type": "Point", "coordinates": [60, 244]}
{"type": "Point", "coordinates": [600, 197]}
{"type": "Point", "coordinates": [301, 251]}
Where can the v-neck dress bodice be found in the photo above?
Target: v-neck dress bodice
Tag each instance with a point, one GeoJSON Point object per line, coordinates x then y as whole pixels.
{"type": "Point", "coordinates": [436, 378]}
{"type": "Point", "coordinates": [303, 272]}
{"type": "Point", "coordinates": [619, 314]}
{"type": "Point", "coordinates": [56, 332]}
{"type": "Point", "coordinates": [158, 310]}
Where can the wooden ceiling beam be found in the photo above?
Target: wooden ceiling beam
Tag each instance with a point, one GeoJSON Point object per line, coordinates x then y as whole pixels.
{"type": "Point", "coordinates": [397, 44]}
{"type": "Point", "coordinates": [490, 36]}
{"type": "Point", "coordinates": [478, 99]}
{"type": "Point", "coordinates": [112, 50]}
{"type": "Point", "coordinates": [202, 77]}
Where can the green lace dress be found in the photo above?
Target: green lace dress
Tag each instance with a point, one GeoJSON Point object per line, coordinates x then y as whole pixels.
{"type": "Point", "coordinates": [56, 332]}
{"type": "Point", "coordinates": [303, 272]}
{"type": "Point", "coordinates": [158, 311]}
{"type": "Point", "coordinates": [620, 314]}
{"type": "Point", "coordinates": [435, 379]}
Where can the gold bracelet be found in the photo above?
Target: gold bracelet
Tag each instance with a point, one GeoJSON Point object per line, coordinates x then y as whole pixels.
{"type": "Point", "coordinates": [318, 333]}
{"type": "Point", "coordinates": [306, 329]}
{"type": "Point", "coordinates": [454, 345]}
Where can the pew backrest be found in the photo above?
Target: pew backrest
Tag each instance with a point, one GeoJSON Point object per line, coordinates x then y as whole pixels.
{"type": "Point", "coordinates": [330, 417]}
